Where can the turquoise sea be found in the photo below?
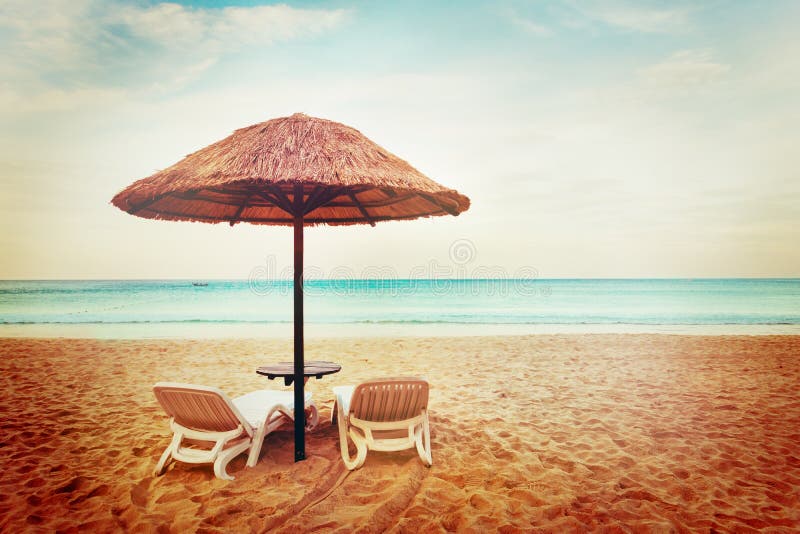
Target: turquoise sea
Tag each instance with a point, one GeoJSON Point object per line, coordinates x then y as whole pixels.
{"type": "Point", "coordinates": [177, 308]}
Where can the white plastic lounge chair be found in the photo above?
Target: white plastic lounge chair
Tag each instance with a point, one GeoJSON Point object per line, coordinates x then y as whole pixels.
{"type": "Point", "coordinates": [235, 426]}
{"type": "Point", "coordinates": [389, 414]}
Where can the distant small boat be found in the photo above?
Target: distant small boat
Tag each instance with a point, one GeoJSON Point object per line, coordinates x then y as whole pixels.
{"type": "Point", "coordinates": [200, 284]}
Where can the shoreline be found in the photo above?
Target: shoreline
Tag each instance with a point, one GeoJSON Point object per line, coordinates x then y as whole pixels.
{"type": "Point", "coordinates": [202, 330]}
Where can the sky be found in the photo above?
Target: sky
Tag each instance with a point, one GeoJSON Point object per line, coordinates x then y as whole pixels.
{"type": "Point", "coordinates": [597, 138]}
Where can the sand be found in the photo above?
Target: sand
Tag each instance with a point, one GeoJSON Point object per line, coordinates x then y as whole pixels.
{"type": "Point", "coordinates": [559, 433]}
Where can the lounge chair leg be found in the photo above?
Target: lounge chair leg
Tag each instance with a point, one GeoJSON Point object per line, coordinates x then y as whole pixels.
{"type": "Point", "coordinates": [361, 450]}
{"type": "Point", "coordinates": [343, 446]}
{"type": "Point", "coordinates": [255, 448]}
{"type": "Point", "coordinates": [163, 462]}
{"type": "Point", "coordinates": [361, 455]}
{"type": "Point", "coordinates": [424, 441]}
{"type": "Point", "coordinates": [333, 412]}
{"type": "Point", "coordinates": [166, 456]}
{"type": "Point", "coordinates": [220, 466]}
{"type": "Point", "coordinates": [225, 456]}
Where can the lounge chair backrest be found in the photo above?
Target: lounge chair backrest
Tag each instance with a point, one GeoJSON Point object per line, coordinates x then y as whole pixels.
{"type": "Point", "coordinates": [389, 399]}
{"type": "Point", "coordinates": [199, 407]}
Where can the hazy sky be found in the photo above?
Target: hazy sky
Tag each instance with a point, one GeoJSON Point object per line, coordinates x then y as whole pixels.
{"type": "Point", "coordinates": [594, 138]}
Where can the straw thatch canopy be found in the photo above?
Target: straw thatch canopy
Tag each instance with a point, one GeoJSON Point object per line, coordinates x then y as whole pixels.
{"type": "Point", "coordinates": [250, 177]}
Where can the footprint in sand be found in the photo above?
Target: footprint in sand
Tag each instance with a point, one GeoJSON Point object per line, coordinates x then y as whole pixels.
{"type": "Point", "coordinates": [139, 494]}
{"type": "Point", "coordinates": [626, 462]}
{"type": "Point", "coordinates": [34, 519]}
{"type": "Point", "coordinates": [480, 502]}
{"type": "Point", "coordinates": [26, 468]}
{"type": "Point", "coordinates": [683, 474]}
{"type": "Point", "coordinates": [35, 483]}
{"type": "Point", "coordinates": [96, 492]}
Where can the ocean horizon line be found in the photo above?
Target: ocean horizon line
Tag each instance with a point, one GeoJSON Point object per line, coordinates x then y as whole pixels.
{"type": "Point", "coordinates": [533, 279]}
{"type": "Point", "coordinates": [404, 322]}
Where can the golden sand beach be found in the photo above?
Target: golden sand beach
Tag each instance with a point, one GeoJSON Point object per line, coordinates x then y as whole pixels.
{"type": "Point", "coordinates": [555, 433]}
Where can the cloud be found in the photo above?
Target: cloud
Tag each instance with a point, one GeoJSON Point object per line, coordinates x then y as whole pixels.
{"type": "Point", "coordinates": [173, 25]}
{"type": "Point", "coordinates": [83, 45]}
{"type": "Point", "coordinates": [55, 99]}
{"type": "Point", "coordinates": [685, 70]}
{"type": "Point", "coordinates": [636, 16]}
{"type": "Point", "coordinates": [527, 24]}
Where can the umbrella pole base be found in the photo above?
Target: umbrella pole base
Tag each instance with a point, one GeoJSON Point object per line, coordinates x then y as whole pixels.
{"type": "Point", "coordinates": [299, 456]}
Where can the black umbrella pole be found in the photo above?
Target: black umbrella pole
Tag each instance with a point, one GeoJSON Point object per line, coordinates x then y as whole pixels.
{"type": "Point", "coordinates": [299, 364]}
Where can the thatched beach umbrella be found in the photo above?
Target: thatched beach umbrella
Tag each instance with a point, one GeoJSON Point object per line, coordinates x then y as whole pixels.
{"type": "Point", "coordinates": [291, 171]}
